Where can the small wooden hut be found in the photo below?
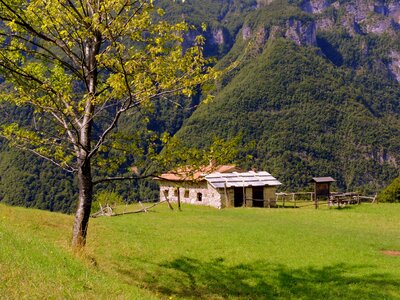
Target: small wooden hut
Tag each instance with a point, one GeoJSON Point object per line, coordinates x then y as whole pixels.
{"type": "Point", "coordinates": [322, 188]}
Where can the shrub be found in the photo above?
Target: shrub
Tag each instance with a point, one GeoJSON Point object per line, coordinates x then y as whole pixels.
{"type": "Point", "coordinates": [391, 193]}
{"type": "Point", "coordinates": [104, 198]}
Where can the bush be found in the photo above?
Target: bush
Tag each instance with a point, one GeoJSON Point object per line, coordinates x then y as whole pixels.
{"type": "Point", "coordinates": [106, 197]}
{"type": "Point", "coordinates": [391, 193]}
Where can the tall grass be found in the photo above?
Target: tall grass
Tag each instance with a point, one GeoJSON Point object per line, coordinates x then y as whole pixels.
{"type": "Point", "coordinates": [37, 263]}
{"type": "Point", "coordinates": [205, 253]}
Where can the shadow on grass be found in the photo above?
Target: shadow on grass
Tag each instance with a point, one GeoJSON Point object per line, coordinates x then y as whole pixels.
{"type": "Point", "coordinates": [343, 207]}
{"type": "Point", "coordinates": [191, 278]}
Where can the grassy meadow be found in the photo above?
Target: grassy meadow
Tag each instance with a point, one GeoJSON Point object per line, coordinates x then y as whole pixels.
{"type": "Point", "coordinates": [204, 253]}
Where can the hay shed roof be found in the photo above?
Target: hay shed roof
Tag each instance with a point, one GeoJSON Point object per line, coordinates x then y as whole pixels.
{"type": "Point", "coordinates": [244, 179]}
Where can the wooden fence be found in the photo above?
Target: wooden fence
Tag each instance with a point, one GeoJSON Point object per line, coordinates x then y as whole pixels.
{"type": "Point", "coordinates": [304, 199]}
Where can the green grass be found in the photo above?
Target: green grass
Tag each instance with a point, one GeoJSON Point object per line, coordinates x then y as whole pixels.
{"type": "Point", "coordinates": [205, 253]}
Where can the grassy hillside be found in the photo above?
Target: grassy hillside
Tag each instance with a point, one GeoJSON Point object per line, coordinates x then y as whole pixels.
{"type": "Point", "coordinates": [203, 253]}
{"type": "Point", "coordinates": [36, 262]}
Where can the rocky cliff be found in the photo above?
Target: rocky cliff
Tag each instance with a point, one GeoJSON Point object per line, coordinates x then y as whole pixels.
{"type": "Point", "coordinates": [358, 16]}
{"type": "Point", "coordinates": [308, 22]}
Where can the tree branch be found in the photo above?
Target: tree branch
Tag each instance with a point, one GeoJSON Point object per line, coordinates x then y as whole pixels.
{"type": "Point", "coordinates": [22, 22]}
{"type": "Point", "coordinates": [123, 178]}
{"type": "Point", "coordinates": [68, 168]}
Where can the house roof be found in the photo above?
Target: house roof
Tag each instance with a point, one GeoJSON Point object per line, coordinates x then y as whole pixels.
{"type": "Point", "coordinates": [188, 174]}
{"type": "Point", "coordinates": [244, 179]}
{"type": "Point", "coordinates": [323, 179]}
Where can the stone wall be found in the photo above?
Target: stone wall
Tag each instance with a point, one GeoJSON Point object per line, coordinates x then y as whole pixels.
{"type": "Point", "coordinates": [189, 193]}
{"type": "Point", "coordinates": [198, 193]}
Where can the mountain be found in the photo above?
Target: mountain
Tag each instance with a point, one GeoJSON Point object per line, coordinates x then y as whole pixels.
{"type": "Point", "coordinates": [314, 92]}
{"type": "Point", "coordinates": [317, 89]}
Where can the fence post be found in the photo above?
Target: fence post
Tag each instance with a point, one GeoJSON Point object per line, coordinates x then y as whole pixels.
{"type": "Point", "coordinates": [316, 201]}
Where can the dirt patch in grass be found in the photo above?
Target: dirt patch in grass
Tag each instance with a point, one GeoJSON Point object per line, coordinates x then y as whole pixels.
{"type": "Point", "coordinates": [391, 252]}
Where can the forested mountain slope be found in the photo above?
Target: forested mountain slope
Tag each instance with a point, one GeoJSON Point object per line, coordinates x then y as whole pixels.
{"type": "Point", "coordinates": [317, 94]}
{"type": "Point", "coordinates": [315, 90]}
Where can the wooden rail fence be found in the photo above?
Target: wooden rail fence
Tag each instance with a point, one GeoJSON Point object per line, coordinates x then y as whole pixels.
{"type": "Point", "coordinates": [303, 199]}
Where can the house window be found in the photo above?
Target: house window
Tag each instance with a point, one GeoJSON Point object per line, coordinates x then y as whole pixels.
{"type": "Point", "coordinates": [199, 197]}
{"type": "Point", "coordinates": [186, 195]}
{"type": "Point", "coordinates": [176, 192]}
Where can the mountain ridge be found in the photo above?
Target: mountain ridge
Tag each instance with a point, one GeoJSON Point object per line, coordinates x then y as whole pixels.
{"type": "Point", "coordinates": [360, 87]}
{"type": "Point", "coordinates": [315, 89]}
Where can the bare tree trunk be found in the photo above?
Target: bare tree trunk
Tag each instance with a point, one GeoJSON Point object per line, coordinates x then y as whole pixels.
{"type": "Point", "coordinates": [85, 186]}
{"type": "Point", "coordinates": [85, 182]}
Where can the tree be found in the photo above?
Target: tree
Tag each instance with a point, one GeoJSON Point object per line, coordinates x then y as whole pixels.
{"type": "Point", "coordinates": [82, 65]}
{"type": "Point", "coordinates": [391, 193]}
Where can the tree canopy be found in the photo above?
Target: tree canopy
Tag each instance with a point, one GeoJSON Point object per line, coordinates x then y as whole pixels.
{"type": "Point", "coordinates": [80, 66]}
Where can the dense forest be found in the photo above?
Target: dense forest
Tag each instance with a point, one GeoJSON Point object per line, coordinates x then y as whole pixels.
{"type": "Point", "coordinates": [314, 91]}
{"type": "Point", "coordinates": [316, 96]}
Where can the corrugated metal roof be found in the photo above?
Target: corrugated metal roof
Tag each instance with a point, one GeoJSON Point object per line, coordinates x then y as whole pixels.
{"type": "Point", "coordinates": [188, 173]}
{"type": "Point", "coordinates": [245, 179]}
{"type": "Point", "coordinates": [323, 179]}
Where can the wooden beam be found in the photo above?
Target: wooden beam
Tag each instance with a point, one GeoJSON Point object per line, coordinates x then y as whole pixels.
{"type": "Point", "coordinates": [226, 195]}
{"type": "Point", "coordinates": [179, 199]}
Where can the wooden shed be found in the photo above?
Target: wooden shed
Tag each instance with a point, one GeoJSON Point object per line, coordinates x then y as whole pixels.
{"type": "Point", "coordinates": [322, 186]}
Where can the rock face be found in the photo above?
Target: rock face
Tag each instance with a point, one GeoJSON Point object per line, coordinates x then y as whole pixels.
{"type": "Point", "coordinates": [218, 40]}
{"type": "Point", "coordinates": [261, 3]}
{"type": "Point", "coordinates": [315, 6]}
{"type": "Point", "coordinates": [359, 9]}
{"type": "Point", "coordinates": [394, 65]}
{"type": "Point", "coordinates": [301, 33]}
{"type": "Point", "coordinates": [350, 23]}
{"type": "Point", "coordinates": [379, 26]}
{"type": "Point", "coordinates": [326, 23]}
{"type": "Point", "coordinates": [218, 36]}
{"type": "Point", "coordinates": [246, 32]}
{"type": "Point", "coordinates": [261, 36]}
{"type": "Point", "coordinates": [357, 16]}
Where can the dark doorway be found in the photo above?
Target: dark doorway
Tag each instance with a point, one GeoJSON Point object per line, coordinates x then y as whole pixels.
{"type": "Point", "coordinates": [238, 197]}
{"type": "Point", "coordinates": [258, 196]}
{"type": "Point", "coordinates": [199, 197]}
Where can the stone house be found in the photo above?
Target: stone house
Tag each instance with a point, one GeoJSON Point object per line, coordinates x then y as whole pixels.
{"type": "Point", "coordinates": [223, 186]}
